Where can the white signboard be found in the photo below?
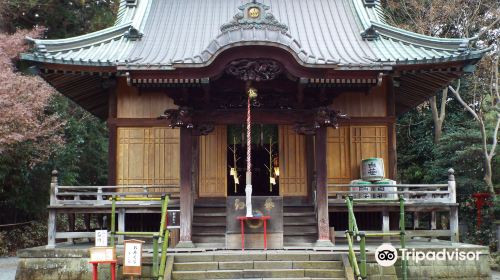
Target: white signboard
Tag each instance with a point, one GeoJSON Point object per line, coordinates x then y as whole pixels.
{"type": "Point", "coordinates": [102, 254]}
{"type": "Point", "coordinates": [101, 238]}
{"type": "Point", "coordinates": [133, 254]}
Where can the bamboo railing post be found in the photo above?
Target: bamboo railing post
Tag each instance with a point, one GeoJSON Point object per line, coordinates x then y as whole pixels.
{"type": "Point", "coordinates": [51, 225]}
{"type": "Point", "coordinates": [362, 254]}
{"type": "Point", "coordinates": [349, 210]}
{"type": "Point", "coordinates": [155, 255]}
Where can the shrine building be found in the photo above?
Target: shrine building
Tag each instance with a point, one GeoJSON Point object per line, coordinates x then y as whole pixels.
{"type": "Point", "coordinates": [328, 80]}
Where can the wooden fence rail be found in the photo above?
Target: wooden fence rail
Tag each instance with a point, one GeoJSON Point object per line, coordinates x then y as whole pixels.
{"type": "Point", "coordinates": [95, 200]}
{"type": "Point", "coordinates": [419, 198]}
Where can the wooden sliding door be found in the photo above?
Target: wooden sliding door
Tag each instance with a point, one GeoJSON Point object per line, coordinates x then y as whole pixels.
{"type": "Point", "coordinates": [293, 164]}
{"type": "Point", "coordinates": [213, 163]}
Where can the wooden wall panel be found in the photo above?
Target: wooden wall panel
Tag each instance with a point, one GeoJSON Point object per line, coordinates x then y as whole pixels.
{"type": "Point", "coordinates": [366, 142]}
{"type": "Point", "coordinates": [338, 157]}
{"type": "Point", "coordinates": [347, 146]}
{"type": "Point", "coordinates": [213, 164]}
{"type": "Point", "coordinates": [148, 156]}
{"type": "Point", "coordinates": [361, 104]}
{"type": "Point", "coordinates": [293, 165]}
{"type": "Point", "coordinates": [132, 104]}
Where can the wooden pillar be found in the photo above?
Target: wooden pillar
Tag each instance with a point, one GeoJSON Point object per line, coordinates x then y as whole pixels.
{"type": "Point", "coordinates": [321, 189]}
{"type": "Point", "coordinates": [195, 165]}
{"type": "Point", "coordinates": [121, 224]}
{"type": "Point", "coordinates": [454, 224]}
{"type": "Point", "coordinates": [386, 223]}
{"type": "Point", "coordinates": [310, 167]}
{"type": "Point", "coordinates": [112, 139]}
{"type": "Point", "coordinates": [416, 220]}
{"type": "Point", "coordinates": [51, 225]}
{"type": "Point", "coordinates": [186, 199]}
{"type": "Point", "coordinates": [391, 128]}
{"type": "Point", "coordinates": [452, 188]}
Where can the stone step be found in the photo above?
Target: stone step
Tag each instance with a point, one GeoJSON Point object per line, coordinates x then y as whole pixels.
{"type": "Point", "coordinates": [209, 214]}
{"type": "Point", "coordinates": [318, 264]}
{"type": "Point", "coordinates": [300, 219]}
{"type": "Point", "coordinates": [210, 224]}
{"type": "Point", "coordinates": [324, 273]}
{"type": "Point", "coordinates": [215, 274]}
{"type": "Point", "coordinates": [236, 265]}
{"type": "Point", "coordinates": [239, 256]}
{"type": "Point", "coordinates": [273, 273]}
{"type": "Point", "coordinates": [299, 214]}
{"type": "Point", "coordinates": [296, 209]}
{"type": "Point", "coordinates": [216, 219]}
{"type": "Point", "coordinates": [199, 240]}
{"type": "Point", "coordinates": [311, 223]}
{"type": "Point", "coordinates": [201, 266]}
{"type": "Point", "coordinates": [196, 266]}
{"type": "Point", "coordinates": [301, 278]}
{"type": "Point", "coordinates": [299, 230]}
{"type": "Point", "coordinates": [209, 232]}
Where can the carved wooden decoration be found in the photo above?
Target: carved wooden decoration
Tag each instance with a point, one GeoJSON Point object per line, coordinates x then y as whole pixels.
{"type": "Point", "coordinates": [322, 117]}
{"type": "Point", "coordinates": [183, 117]}
{"type": "Point", "coordinates": [254, 70]}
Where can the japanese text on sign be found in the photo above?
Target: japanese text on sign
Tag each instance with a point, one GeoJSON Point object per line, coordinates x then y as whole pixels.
{"type": "Point", "coordinates": [101, 238]}
{"type": "Point", "coordinates": [133, 254]}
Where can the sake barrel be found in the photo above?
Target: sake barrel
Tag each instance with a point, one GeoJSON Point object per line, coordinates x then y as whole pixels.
{"type": "Point", "coordinates": [372, 169]}
{"type": "Point", "coordinates": [359, 191]}
{"type": "Point", "coordinates": [381, 190]}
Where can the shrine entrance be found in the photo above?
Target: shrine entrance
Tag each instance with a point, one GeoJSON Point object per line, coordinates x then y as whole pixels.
{"type": "Point", "coordinates": [265, 160]}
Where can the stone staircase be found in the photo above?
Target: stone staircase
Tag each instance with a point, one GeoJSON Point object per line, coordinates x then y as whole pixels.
{"type": "Point", "coordinates": [209, 223]}
{"type": "Point", "coordinates": [299, 225]}
{"type": "Point", "coordinates": [258, 265]}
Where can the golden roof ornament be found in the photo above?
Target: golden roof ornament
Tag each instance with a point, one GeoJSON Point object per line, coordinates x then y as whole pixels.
{"type": "Point", "coordinates": [254, 15]}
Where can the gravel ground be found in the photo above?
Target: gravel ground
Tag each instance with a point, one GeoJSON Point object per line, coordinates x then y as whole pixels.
{"type": "Point", "coordinates": [8, 268]}
{"type": "Point", "coordinates": [495, 275]}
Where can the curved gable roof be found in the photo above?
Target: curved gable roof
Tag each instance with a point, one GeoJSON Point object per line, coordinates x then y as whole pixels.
{"type": "Point", "coordinates": [167, 34]}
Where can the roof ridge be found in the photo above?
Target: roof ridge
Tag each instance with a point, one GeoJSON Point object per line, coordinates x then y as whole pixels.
{"type": "Point", "coordinates": [453, 44]}
{"type": "Point", "coordinates": [81, 40]}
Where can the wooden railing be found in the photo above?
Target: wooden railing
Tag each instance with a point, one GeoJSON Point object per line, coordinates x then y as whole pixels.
{"type": "Point", "coordinates": [446, 193]}
{"type": "Point", "coordinates": [419, 198]}
{"type": "Point", "coordinates": [96, 200]}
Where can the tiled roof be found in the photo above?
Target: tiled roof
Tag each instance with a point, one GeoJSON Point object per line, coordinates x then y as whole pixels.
{"type": "Point", "coordinates": [166, 34]}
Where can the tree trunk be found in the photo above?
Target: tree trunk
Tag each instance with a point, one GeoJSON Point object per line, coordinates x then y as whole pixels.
{"type": "Point", "coordinates": [487, 158]}
{"type": "Point", "coordinates": [438, 117]}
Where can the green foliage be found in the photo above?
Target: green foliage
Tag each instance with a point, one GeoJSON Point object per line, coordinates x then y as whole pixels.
{"type": "Point", "coordinates": [26, 236]}
{"type": "Point", "coordinates": [24, 189]}
{"type": "Point", "coordinates": [24, 182]}
{"type": "Point", "coordinates": [61, 18]}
